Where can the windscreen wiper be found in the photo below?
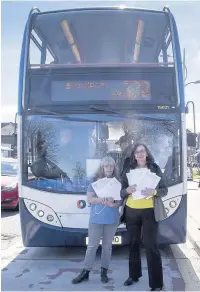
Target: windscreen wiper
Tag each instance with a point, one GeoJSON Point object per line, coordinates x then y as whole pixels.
{"type": "Point", "coordinates": [43, 111]}
{"type": "Point", "coordinates": [104, 110]}
{"type": "Point", "coordinates": [132, 116]}
{"type": "Point", "coordinates": [58, 115]}
{"type": "Point", "coordinates": [64, 116]}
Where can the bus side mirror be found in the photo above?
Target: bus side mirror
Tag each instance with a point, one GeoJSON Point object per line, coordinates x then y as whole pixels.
{"type": "Point", "coordinates": [186, 109]}
{"type": "Point", "coordinates": [191, 139]}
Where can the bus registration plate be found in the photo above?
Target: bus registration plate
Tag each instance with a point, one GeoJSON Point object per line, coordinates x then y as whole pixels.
{"type": "Point", "coordinates": [117, 240]}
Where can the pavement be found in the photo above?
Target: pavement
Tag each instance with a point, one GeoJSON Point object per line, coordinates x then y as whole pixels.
{"type": "Point", "coordinates": [187, 255]}
{"type": "Point", "coordinates": [193, 218]}
{"type": "Point", "coordinates": [52, 269]}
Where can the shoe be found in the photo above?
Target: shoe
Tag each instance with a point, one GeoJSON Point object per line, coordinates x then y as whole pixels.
{"type": "Point", "coordinates": [83, 276]}
{"type": "Point", "coordinates": [104, 277]}
{"type": "Point", "coordinates": [130, 281]}
{"type": "Point", "coordinates": [156, 289]}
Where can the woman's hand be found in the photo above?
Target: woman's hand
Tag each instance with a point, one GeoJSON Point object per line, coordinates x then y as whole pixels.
{"type": "Point", "coordinates": [103, 200]}
{"type": "Point", "coordinates": [108, 203]}
{"type": "Point", "coordinates": [147, 192]}
{"type": "Point", "coordinates": [131, 189]}
{"type": "Point", "coordinates": [110, 199]}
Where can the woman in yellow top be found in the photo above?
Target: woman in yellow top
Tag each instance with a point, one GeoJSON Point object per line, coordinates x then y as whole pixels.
{"type": "Point", "coordinates": [144, 213]}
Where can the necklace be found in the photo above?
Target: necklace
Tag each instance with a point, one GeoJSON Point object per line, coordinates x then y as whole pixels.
{"type": "Point", "coordinates": [97, 213]}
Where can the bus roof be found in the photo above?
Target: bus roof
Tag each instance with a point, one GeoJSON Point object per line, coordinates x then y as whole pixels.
{"type": "Point", "coordinates": [120, 7]}
{"type": "Point", "coordinates": [97, 37]}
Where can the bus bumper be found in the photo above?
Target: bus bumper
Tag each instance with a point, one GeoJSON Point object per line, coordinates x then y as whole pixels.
{"type": "Point", "coordinates": [173, 230]}
{"type": "Point", "coordinates": [38, 234]}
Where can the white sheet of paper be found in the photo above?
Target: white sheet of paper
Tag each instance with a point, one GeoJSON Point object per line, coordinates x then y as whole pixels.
{"type": "Point", "coordinates": [135, 178]}
{"type": "Point", "coordinates": [112, 189]}
{"type": "Point", "coordinates": [143, 178]}
{"type": "Point", "coordinates": [149, 197]}
{"type": "Point", "coordinates": [151, 181]}
{"type": "Point", "coordinates": [100, 184]}
{"type": "Point", "coordinates": [107, 187]}
{"type": "Point", "coordinates": [137, 195]}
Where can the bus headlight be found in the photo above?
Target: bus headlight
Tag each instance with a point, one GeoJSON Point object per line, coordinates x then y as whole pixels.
{"type": "Point", "coordinates": [33, 206]}
{"type": "Point", "coordinates": [42, 212]}
{"type": "Point", "coordinates": [50, 218]}
{"type": "Point", "coordinates": [172, 204]}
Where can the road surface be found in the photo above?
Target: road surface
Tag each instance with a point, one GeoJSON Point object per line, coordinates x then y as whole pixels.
{"type": "Point", "coordinates": [10, 228]}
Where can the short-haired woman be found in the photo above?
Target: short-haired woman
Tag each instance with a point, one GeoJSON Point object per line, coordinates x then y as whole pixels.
{"type": "Point", "coordinates": [103, 223]}
{"type": "Point", "coordinates": [144, 213]}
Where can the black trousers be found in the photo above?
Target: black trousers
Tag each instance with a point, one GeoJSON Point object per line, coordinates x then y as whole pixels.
{"type": "Point", "coordinates": [136, 219]}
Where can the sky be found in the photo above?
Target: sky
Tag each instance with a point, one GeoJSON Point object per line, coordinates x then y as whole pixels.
{"type": "Point", "coordinates": [14, 16]}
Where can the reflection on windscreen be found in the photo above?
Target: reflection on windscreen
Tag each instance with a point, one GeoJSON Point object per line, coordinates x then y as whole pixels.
{"type": "Point", "coordinates": [63, 155]}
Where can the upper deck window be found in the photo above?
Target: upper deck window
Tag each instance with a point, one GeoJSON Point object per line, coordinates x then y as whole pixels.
{"type": "Point", "coordinates": [98, 37]}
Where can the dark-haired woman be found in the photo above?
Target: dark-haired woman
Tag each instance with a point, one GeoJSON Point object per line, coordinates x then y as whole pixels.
{"type": "Point", "coordinates": [144, 214]}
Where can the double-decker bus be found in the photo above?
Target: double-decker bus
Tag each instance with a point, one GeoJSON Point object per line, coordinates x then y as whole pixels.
{"type": "Point", "coordinates": [93, 82]}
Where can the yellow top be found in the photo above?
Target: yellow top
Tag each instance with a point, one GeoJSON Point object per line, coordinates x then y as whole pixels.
{"type": "Point", "coordinates": [140, 204]}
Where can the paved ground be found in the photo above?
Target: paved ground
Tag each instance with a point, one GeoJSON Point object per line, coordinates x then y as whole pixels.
{"type": "Point", "coordinates": [10, 228]}
{"type": "Point", "coordinates": [51, 269]}
{"type": "Point", "coordinates": [188, 262]}
{"type": "Point", "coordinates": [193, 222]}
{"type": "Point", "coordinates": [48, 269]}
{"type": "Point", "coordinates": [188, 255]}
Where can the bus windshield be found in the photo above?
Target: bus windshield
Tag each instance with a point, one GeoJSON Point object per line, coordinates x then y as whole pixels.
{"type": "Point", "coordinates": [64, 152]}
{"type": "Point", "coordinates": [97, 36]}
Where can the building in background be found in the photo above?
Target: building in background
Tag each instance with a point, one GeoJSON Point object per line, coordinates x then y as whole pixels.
{"type": "Point", "coordinates": [8, 140]}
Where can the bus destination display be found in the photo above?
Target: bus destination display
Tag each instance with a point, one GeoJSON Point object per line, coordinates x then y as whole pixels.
{"type": "Point", "coordinates": [101, 90]}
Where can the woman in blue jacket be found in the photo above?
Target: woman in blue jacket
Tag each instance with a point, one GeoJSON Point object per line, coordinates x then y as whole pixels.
{"type": "Point", "coordinates": [103, 223]}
